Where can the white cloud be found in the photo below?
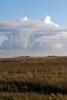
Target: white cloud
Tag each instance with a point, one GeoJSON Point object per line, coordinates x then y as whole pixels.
{"type": "Point", "coordinates": [30, 37]}
{"type": "Point", "coordinates": [22, 19]}
{"type": "Point", "coordinates": [47, 20]}
{"type": "Point", "coordinates": [59, 45]}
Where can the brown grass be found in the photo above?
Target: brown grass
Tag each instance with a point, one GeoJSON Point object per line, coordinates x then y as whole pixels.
{"type": "Point", "coordinates": [34, 96]}
{"type": "Point", "coordinates": [34, 75]}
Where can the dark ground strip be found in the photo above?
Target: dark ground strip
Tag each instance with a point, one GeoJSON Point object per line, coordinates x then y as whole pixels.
{"type": "Point", "coordinates": [20, 87]}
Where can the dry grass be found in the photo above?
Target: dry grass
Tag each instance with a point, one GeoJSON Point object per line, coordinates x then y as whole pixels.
{"type": "Point", "coordinates": [34, 75]}
{"type": "Point", "coordinates": [32, 96]}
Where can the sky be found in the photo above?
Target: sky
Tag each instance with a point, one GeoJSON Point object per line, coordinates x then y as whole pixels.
{"type": "Point", "coordinates": [33, 28]}
{"type": "Point", "coordinates": [34, 9]}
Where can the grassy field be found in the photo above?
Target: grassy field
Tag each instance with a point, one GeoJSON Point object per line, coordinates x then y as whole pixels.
{"type": "Point", "coordinates": [33, 78]}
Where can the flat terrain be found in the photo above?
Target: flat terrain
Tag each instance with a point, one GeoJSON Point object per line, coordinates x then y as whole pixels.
{"type": "Point", "coordinates": [29, 78]}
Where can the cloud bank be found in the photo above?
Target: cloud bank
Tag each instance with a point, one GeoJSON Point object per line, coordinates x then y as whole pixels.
{"type": "Point", "coordinates": [22, 37]}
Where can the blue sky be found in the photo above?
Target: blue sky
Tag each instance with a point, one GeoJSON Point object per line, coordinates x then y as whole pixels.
{"type": "Point", "coordinates": [33, 27]}
{"type": "Point", "coordinates": [34, 9]}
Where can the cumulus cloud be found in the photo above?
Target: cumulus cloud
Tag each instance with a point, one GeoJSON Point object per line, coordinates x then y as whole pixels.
{"type": "Point", "coordinates": [30, 37]}
{"type": "Point", "coordinates": [47, 20]}
{"type": "Point", "coordinates": [22, 19]}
